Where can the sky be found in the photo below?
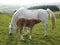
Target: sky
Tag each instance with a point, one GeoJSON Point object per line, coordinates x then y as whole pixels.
{"type": "Point", "coordinates": [26, 2]}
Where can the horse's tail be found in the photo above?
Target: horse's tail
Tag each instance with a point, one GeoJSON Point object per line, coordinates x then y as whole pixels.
{"type": "Point", "coordinates": [53, 18]}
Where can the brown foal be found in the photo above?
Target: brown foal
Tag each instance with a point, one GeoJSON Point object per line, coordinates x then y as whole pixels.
{"type": "Point", "coordinates": [28, 23]}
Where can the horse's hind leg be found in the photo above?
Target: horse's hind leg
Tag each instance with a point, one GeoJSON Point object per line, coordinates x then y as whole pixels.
{"type": "Point", "coordinates": [30, 37]}
{"type": "Point", "coordinates": [45, 28]}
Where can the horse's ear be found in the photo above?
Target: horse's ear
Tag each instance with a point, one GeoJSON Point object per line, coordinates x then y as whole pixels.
{"type": "Point", "coordinates": [48, 9]}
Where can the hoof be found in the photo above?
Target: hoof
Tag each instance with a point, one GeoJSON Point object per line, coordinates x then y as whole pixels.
{"type": "Point", "coordinates": [30, 38]}
{"type": "Point", "coordinates": [45, 36]}
{"type": "Point", "coordinates": [23, 39]}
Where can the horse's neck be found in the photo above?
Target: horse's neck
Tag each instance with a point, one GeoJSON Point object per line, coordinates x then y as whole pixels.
{"type": "Point", "coordinates": [13, 21]}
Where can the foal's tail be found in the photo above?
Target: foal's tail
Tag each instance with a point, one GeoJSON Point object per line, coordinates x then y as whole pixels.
{"type": "Point", "coordinates": [53, 18]}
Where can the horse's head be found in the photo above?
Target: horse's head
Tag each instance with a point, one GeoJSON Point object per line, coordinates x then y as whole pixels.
{"type": "Point", "coordinates": [11, 29]}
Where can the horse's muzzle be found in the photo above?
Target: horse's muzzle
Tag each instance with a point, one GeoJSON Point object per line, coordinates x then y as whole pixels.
{"type": "Point", "coordinates": [10, 34]}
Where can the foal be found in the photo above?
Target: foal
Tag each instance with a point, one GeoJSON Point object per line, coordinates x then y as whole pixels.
{"type": "Point", "coordinates": [28, 23]}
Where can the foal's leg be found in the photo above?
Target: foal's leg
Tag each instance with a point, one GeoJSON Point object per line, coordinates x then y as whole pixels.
{"type": "Point", "coordinates": [45, 28]}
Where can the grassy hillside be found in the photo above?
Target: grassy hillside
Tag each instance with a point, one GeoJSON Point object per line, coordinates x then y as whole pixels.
{"type": "Point", "coordinates": [38, 31]}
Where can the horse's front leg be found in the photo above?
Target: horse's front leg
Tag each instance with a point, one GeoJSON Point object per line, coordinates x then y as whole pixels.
{"type": "Point", "coordinates": [25, 30]}
{"type": "Point", "coordinates": [17, 32]}
{"type": "Point", "coordinates": [21, 33]}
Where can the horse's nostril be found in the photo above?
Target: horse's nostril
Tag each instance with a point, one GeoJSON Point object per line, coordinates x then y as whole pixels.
{"type": "Point", "coordinates": [10, 34]}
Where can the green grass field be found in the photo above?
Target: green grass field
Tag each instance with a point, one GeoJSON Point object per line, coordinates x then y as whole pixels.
{"type": "Point", "coordinates": [38, 32]}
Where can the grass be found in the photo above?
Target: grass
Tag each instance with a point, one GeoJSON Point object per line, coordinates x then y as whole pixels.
{"type": "Point", "coordinates": [38, 32]}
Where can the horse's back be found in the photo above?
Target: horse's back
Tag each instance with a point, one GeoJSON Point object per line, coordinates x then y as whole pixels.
{"type": "Point", "coordinates": [32, 14]}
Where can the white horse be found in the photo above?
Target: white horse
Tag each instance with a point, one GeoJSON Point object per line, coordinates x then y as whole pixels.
{"type": "Point", "coordinates": [32, 15]}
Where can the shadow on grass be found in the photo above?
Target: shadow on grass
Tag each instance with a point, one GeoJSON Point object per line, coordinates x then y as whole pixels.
{"type": "Point", "coordinates": [50, 40]}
